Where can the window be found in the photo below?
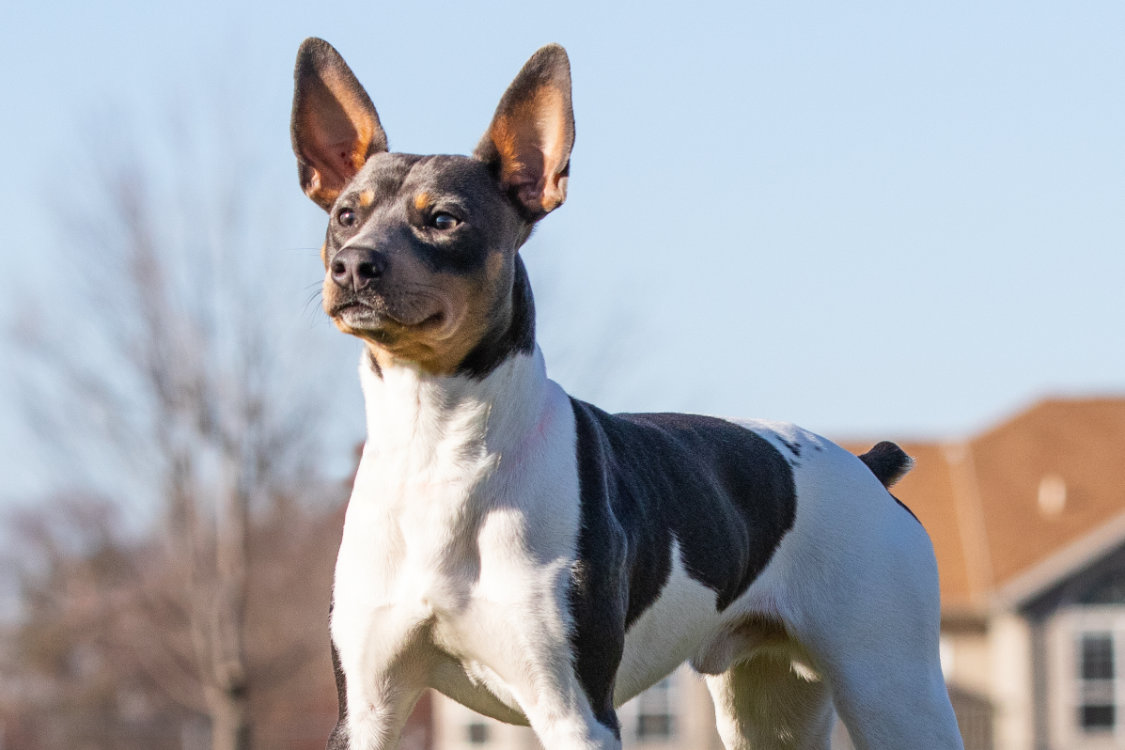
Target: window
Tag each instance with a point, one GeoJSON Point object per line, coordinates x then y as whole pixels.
{"type": "Point", "coordinates": [1083, 652]}
{"type": "Point", "coordinates": [476, 733]}
{"type": "Point", "coordinates": [655, 719]}
{"type": "Point", "coordinates": [1097, 682]}
{"type": "Point", "coordinates": [1093, 713]}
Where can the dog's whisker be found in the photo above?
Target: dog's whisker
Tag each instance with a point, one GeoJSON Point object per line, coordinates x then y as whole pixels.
{"type": "Point", "coordinates": [313, 301]}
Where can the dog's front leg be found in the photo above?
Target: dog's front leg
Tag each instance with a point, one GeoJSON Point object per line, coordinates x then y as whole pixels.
{"type": "Point", "coordinates": [373, 718]}
{"type": "Point", "coordinates": [565, 684]}
{"type": "Point", "coordinates": [559, 711]}
{"type": "Point", "coordinates": [338, 740]}
{"type": "Point", "coordinates": [581, 732]}
{"type": "Point", "coordinates": [574, 675]}
{"type": "Point", "coordinates": [378, 682]}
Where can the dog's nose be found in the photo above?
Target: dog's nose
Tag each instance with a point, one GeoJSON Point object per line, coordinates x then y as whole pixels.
{"type": "Point", "coordinates": [356, 267]}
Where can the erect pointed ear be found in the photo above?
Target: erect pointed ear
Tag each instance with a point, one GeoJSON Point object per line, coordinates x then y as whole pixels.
{"type": "Point", "coordinates": [532, 133]}
{"type": "Point", "coordinates": [335, 127]}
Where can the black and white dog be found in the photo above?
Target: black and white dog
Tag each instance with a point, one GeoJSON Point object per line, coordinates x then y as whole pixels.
{"type": "Point", "coordinates": [542, 561]}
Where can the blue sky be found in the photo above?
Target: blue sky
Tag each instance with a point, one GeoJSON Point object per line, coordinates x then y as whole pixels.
{"type": "Point", "coordinates": [872, 218]}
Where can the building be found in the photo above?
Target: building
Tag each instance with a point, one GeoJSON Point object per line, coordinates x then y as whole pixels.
{"type": "Point", "coordinates": [1028, 525]}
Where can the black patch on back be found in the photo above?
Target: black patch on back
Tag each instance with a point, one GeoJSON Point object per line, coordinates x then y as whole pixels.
{"type": "Point", "coordinates": [794, 448]}
{"type": "Point", "coordinates": [725, 494]}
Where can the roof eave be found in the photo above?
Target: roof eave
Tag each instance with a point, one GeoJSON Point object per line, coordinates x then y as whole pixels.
{"type": "Point", "coordinates": [1068, 560]}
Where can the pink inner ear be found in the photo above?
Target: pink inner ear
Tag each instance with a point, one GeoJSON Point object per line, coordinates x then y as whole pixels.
{"type": "Point", "coordinates": [335, 163]}
{"type": "Point", "coordinates": [529, 194]}
{"type": "Point", "coordinates": [339, 133]}
{"type": "Point", "coordinates": [524, 167]}
{"type": "Point", "coordinates": [344, 158]}
{"type": "Point", "coordinates": [531, 136]}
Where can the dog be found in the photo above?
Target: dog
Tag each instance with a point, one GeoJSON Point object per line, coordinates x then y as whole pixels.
{"type": "Point", "coordinates": [541, 561]}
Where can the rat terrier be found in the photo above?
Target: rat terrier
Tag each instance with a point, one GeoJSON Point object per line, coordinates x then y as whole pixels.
{"type": "Point", "coordinates": [542, 561]}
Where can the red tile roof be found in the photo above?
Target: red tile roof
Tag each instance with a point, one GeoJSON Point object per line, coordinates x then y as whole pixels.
{"type": "Point", "coordinates": [1013, 509]}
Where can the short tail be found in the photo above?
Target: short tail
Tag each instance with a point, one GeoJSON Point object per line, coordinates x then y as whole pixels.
{"type": "Point", "coordinates": [887, 462]}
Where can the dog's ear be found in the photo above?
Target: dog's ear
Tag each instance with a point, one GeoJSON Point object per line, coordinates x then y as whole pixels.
{"type": "Point", "coordinates": [532, 133]}
{"type": "Point", "coordinates": [335, 127]}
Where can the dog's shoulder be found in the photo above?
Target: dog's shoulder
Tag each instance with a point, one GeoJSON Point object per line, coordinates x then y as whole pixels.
{"type": "Point", "coordinates": [663, 442]}
{"type": "Point", "coordinates": [721, 491]}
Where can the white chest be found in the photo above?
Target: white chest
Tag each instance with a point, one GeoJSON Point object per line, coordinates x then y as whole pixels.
{"type": "Point", "coordinates": [464, 516]}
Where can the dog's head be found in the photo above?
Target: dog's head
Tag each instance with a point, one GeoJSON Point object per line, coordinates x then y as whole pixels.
{"type": "Point", "coordinates": [421, 251]}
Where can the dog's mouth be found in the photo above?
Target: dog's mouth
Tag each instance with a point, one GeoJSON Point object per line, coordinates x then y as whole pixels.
{"type": "Point", "coordinates": [363, 316]}
{"type": "Point", "coordinates": [429, 325]}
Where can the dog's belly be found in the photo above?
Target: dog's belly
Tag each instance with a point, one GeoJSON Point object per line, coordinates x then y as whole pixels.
{"type": "Point", "coordinates": [476, 687]}
{"type": "Point", "coordinates": [675, 628]}
{"type": "Point", "coordinates": [683, 624]}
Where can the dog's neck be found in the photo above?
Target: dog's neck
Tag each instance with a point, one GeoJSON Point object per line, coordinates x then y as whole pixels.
{"type": "Point", "coordinates": [489, 395]}
{"type": "Point", "coordinates": [437, 426]}
{"type": "Point", "coordinates": [515, 327]}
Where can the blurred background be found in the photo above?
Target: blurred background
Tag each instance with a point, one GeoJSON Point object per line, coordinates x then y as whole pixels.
{"type": "Point", "coordinates": [879, 220]}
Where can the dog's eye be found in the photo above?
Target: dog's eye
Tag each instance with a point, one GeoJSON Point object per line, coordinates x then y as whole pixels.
{"type": "Point", "coordinates": [444, 221]}
{"type": "Point", "coordinates": [345, 217]}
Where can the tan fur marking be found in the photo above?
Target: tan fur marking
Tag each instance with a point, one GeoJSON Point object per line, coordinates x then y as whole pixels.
{"type": "Point", "coordinates": [421, 201]}
{"type": "Point", "coordinates": [493, 266]}
{"type": "Point", "coordinates": [316, 191]}
{"type": "Point", "coordinates": [439, 352]}
{"type": "Point", "coordinates": [366, 198]}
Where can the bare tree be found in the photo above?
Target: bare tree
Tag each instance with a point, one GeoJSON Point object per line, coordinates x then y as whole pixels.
{"type": "Point", "coordinates": [70, 670]}
{"type": "Point", "coordinates": [166, 370]}
{"type": "Point", "coordinates": [102, 654]}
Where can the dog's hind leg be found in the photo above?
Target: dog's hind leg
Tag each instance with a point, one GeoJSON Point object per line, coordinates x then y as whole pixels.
{"type": "Point", "coordinates": [768, 703]}
{"type": "Point", "coordinates": [857, 586]}
{"type": "Point", "coordinates": [895, 704]}
{"type": "Point", "coordinates": [889, 690]}
{"type": "Point", "coordinates": [873, 633]}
